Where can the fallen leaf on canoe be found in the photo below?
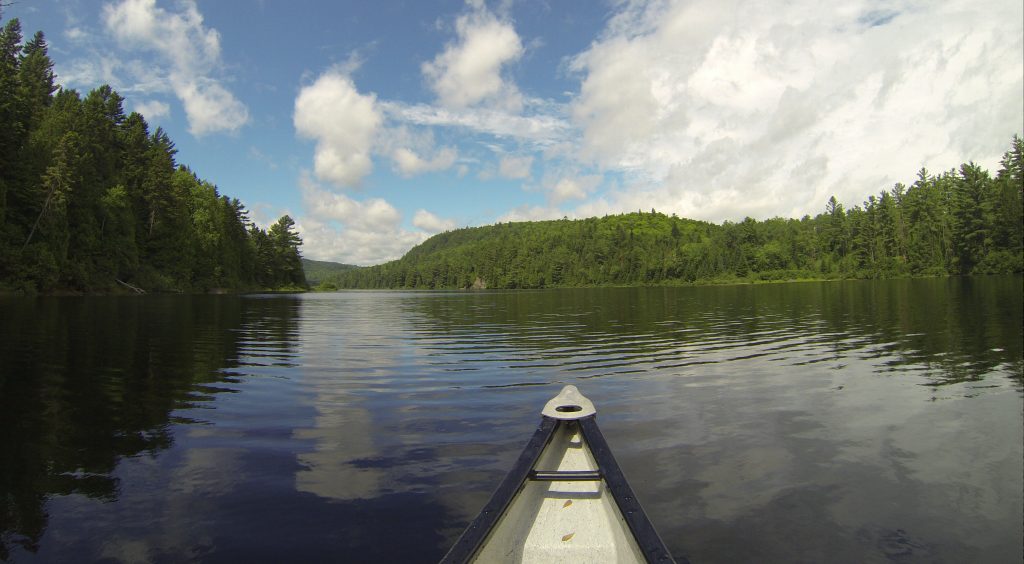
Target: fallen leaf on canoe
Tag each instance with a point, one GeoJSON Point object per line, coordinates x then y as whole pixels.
{"type": "Point", "coordinates": [567, 537]}
{"type": "Point", "coordinates": [567, 503]}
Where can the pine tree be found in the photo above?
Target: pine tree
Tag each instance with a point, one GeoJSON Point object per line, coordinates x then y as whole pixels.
{"type": "Point", "coordinates": [36, 80]}
{"type": "Point", "coordinates": [11, 127]}
{"type": "Point", "coordinates": [1011, 210]}
{"type": "Point", "coordinates": [970, 230]}
{"type": "Point", "coordinates": [1004, 211]}
{"type": "Point", "coordinates": [287, 259]}
{"type": "Point", "coordinates": [835, 230]}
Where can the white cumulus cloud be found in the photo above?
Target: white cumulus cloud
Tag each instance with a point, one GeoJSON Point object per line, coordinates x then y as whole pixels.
{"type": "Point", "coordinates": [191, 53]}
{"type": "Point", "coordinates": [431, 223]}
{"type": "Point", "coordinates": [572, 188]}
{"type": "Point", "coordinates": [717, 110]}
{"type": "Point", "coordinates": [344, 124]}
{"type": "Point", "coordinates": [339, 228]}
{"type": "Point", "coordinates": [469, 70]}
{"type": "Point", "coordinates": [408, 163]}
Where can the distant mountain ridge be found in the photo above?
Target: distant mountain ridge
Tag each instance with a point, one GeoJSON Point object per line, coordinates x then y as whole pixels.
{"type": "Point", "coordinates": [319, 270]}
{"type": "Point", "coordinates": [615, 249]}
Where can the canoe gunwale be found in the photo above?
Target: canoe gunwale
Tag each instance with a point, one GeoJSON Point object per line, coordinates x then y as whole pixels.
{"type": "Point", "coordinates": [651, 545]}
{"type": "Point", "coordinates": [475, 535]}
{"type": "Point", "coordinates": [647, 539]}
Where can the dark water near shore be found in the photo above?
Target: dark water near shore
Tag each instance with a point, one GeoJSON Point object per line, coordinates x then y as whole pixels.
{"type": "Point", "coordinates": [839, 422]}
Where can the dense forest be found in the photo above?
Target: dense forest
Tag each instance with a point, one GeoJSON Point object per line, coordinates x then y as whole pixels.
{"type": "Point", "coordinates": [963, 221]}
{"type": "Point", "coordinates": [317, 271]}
{"type": "Point", "coordinates": [92, 200]}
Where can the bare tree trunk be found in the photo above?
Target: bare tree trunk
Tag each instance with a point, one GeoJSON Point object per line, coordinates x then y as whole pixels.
{"type": "Point", "coordinates": [136, 289]}
{"type": "Point", "coordinates": [46, 205]}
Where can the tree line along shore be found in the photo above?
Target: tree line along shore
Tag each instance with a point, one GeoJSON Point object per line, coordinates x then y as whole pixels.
{"type": "Point", "coordinates": [959, 222]}
{"type": "Point", "coordinates": [92, 201]}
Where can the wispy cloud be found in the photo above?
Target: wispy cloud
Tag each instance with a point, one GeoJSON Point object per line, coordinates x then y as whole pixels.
{"type": "Point", "coordinates": [408, 163]}
{"type": "Point", "coordinates": [258, 155]}
{"type": "Point", "coordinates": [515, 167]}
{"type": "Point", "coordinates": [541, 129]}
{"type": "Point", "coordinates": [153, 110]}
{"type": "Point", "coordinates": [76, 34]}
{"type": "Point", "coordinates": [189, 60]}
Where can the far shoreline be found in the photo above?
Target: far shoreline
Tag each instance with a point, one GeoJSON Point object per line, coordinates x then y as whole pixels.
{"type": "Point", "coordinates": [674, 284]}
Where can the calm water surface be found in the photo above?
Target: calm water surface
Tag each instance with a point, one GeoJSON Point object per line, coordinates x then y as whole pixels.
{"type": "Point", "coordinates": [840, 422]}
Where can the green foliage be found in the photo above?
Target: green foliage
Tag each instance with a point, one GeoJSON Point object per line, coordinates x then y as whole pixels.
{"type": "Point", "coordinates": [960, 222]}
{"type": "Point", "coordinates": [285, 260]}
{"type": "Point", "coordinates": [90, 199]}
{"type": "Point", "coordinates": [316, 271]}
{"type": "Point", "coordinates": [35, 79]}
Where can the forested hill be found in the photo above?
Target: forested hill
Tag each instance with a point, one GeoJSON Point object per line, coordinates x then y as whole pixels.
{"type": "Point", "coordinates": [318, 270]}
{"type": "Point", "coordinates": [964, 221]}
{"type": "Point", "coordinates": [91, 199]}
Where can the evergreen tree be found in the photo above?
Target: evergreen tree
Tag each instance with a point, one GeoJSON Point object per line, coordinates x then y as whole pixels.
{"type": "Point", "coordinates": [1005, 207]}
{"type": "Point", "coordinates": [45, 261]}
{"type": "Point", "coordinates": [88, 196]}
{"type": "Point", "coordinates": [970, 230]}
{"type": "Point", "coordinates": [264, 255]}
{"type": "Point", "coordinates": [11, 127]}
{"type": "Point", "coordinates": [35, 79]}
{"type": "Point", "coordinates": [287, 259]}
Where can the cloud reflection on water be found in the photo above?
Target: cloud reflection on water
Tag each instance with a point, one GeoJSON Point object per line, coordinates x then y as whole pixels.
{"type": "Point", "coordinates": [877, 420]}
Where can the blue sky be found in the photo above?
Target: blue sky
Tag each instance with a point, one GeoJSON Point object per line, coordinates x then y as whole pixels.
{"type": "Point", "coordinates": [378, 124]}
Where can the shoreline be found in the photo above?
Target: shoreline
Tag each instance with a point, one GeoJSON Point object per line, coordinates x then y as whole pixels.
{"type": "Point", "coordinates": [674, 284]}
{"type": "Point", "coordinates": [117, 291]}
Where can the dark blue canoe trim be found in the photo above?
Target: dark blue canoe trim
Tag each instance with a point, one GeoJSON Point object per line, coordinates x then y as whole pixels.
{"type": "Point", "coordinates": [647, 538]}
{"type": "Point", "coordinates": [473, 537]}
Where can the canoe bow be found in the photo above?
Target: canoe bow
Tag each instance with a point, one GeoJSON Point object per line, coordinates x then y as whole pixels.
{"type": "Point", "coordinates": [554, 470]}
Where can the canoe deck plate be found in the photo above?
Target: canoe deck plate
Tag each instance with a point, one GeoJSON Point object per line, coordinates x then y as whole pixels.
{"type": "Point", "coordinates": [569, 404]}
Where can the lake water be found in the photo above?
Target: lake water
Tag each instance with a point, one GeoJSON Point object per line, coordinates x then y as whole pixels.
{"type": "Point", "coordinates": [816, 422]}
